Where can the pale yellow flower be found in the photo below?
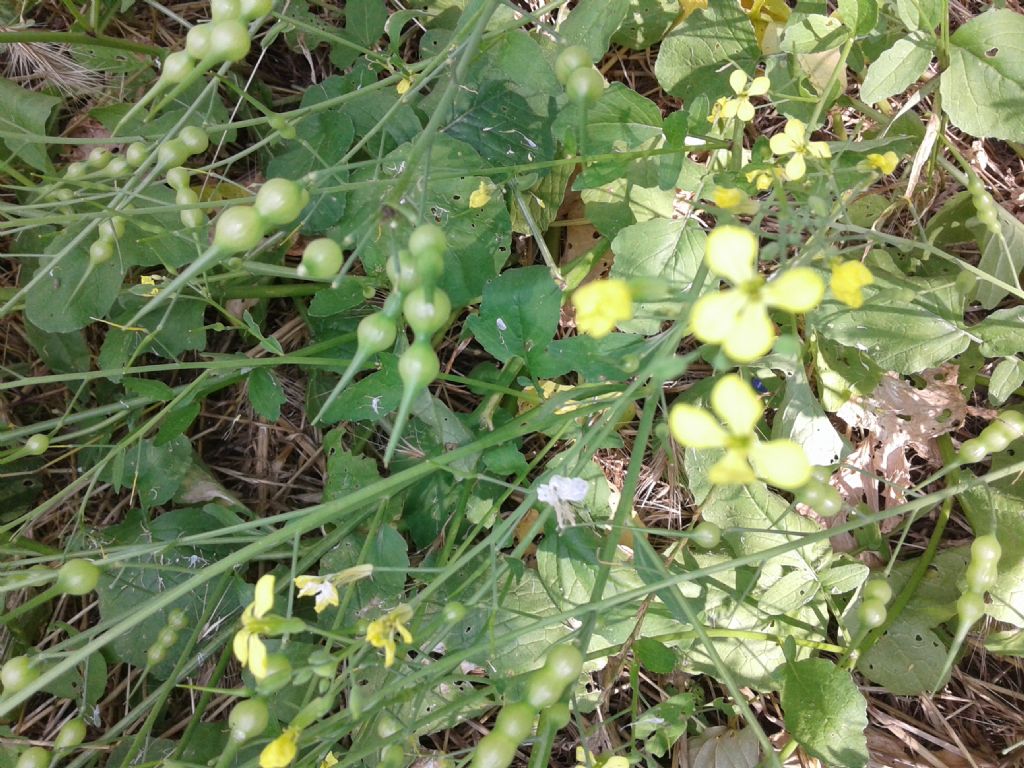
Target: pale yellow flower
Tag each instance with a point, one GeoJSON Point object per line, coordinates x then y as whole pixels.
{"type": "Point", "coordinates": [329, 760]}
{"type": "Point", "coordinates": [281, 751]}
{"type": "Point", "coordinates": [744, 87]}
{"type": "Point", "coordinates": [247, 644]}
{"type": "Point", "coordinates": [716, 109]}
{"type": "Point", "coordinates": [734, 200]}
{"type": "Point", "coordinates": [793, 141]}
{"type": "Point", "coordinates": [403, 86]}
{"type": "Point", "coordinates": [602, 305]}
{"type": "Point", "coordinates": [480, 196]}
{"type": "Point", "coordinates": [322, 589]}
{"type": "Point", "coordinates": [381, 632]}
{"type": "Point", "coordinates": [884, 164]}
{"type": "Point", "coordinates": [848, 280]}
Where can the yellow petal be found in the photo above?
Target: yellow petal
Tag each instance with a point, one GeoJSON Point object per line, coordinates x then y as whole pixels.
{"type": "Point", "coordinates": [240, 646]}
{"type": "Point", "coordinates": [264, 600]}
{"type": "Point", "coordinates": [329, 760]}
{"type": "Point", "coordinates": [796, 167]}
{"type": "Point", "coordinates": [745, 112]}
{"type": "Point", "coordinates": [781, 463]}
{"type": "Point", "coordinates": [796, 130]}
{"type": "Point", "coordinates": [796, 290]}
{"type": "Point", "coordinates": [752, 336]}
{"type": "Point", "coordinates": [847, 281]}
{"type": "Point", "coordinates": [731, 252]}
{"type": "Point", "coordinates": [730, 108]}
{"type": "Point", "coordinates": [736, 403]}
{"type": "Point", "coordinates": [738, 81]}
{"type": "Point", "coordinates": [389, 652]}
{"type": "Point", "coordinates": [714, 314]}
{"type": "Point", "coordinates": [818, 149]}
{"type": "Point", "coordinates": [759, 86]}
{"type": "Point", "coordinates": [731, 469]}
{"type": "Point", "coordinates": [281, 751]}
{"type": "Point", "coordinates": [403, 86]}
{"type": "Point", "coordinates": [481, 196]}
{"type": "Point", "coordinates": [695, 427]}
{"type": "Point", "coordinates": [781, 144]}
{"type": "Point", "coordinates": [257, 657]}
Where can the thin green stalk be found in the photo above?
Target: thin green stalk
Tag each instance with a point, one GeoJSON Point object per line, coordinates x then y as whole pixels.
{"type": "Point", "coordinates": [32, 35]}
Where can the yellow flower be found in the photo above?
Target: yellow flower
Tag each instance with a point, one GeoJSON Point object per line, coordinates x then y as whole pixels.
{"type": "Point", "coordinates": [738, 319]}
{"type": "Point", "coordinates": [329, 760]}
{"type": "Point", "coordinates": [738, 410]}
{"type": "Point", "coordinates": [317, 586]}
{"type": "Point", "coordinates": [601, 305]}
{"type": "Point", "coordinates": [281, 751]}
{"type": "Point", "coordinates": [732, 199]}
{"type": "Point", "coordinates": [716, 109]}
{"type": "Point", "coordinates": [150, 280]}
{"type": "Point", "coordinates": [381, 632]}
{"type": "Point", "coordinates": [403, 86]}
{"type": "Point", "coordinates": [247, 644]}
{"type": "Point", "coordinates": [744, 87]}
{"type": "Point", "coordinates": [848, 278]}
{"type": "Point", "coordinates": [793, 141]}
{"type": "Point", "coordinates": [481, 196]}
{"type": "Point", "coordinates": [585, 759]}
{"type": "Point", "coordinates": [762, 178]}
{"type": "Point", "coordinates": [884, 164]}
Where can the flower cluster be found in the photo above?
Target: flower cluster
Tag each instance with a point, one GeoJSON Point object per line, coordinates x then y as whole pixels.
{"type": "Point", "coordinates": [738, 409]}
{"type": "Point", "coordinates": [738, 318]}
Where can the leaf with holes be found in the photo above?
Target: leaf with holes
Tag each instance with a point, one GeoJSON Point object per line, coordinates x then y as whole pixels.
{"type": "Point", "coordinates": [983, 87]}
{"type": "Point", "coordinates": [801, 418]}
{"type": "Point", "coordinates": [907, 659]}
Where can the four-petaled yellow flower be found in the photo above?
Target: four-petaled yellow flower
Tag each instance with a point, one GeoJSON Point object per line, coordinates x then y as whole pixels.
{"type": "Point", "coordinates": [738, 319]}
{"type": "Point", "coordinates": [381, 632]}
{"type": "Point", "coordinates": [848, 278]}
{"type": "Point", "coordinates": [321, 588]}
{"type": "Point", "coordinates": [281, 751]}
{"type": "Point", "coordinates": [601, 305]}
{"type": "Point", "coordinates": [884, 164]}
{"type": "Point", "coordinates": [247, 645]}
{"type": "Point", "coordinates": [734, 200]}
{"type": "Point", "coordinates": [793, 141]}
{"type": "Point", "coordinates": [737, 406]}
{"type": "Point", "coordinates": [744, 87]}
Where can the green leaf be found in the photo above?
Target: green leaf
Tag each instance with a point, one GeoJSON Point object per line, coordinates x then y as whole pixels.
{"type": "Point", "coordinates": [907, 659]}
{"type": "Point", "coordinates": [153, 472]}
{"type": "Point", "coordinates": [175, 329]}
{"type": "Point", "coordinates": [387, 550]}
{"type": "Point", "coordinates": [60, 352]}
{"type": "Point", "coordinates": [667, 250]}
{"type": "Point", "coordinates": [690, 55]}
{"type": "Point", "coordinates": [621, 120]}
{"type": "Point", "coordinates": [923, 15]}
{"type": "Point", "coordinates": [23, 117]}
{"type": "Point", "coordinates": [646, 23]}
{"type": "Point", "coordinates": [999, 510]}
{"type": "Point", "coordinates": [792, 591]}
{"type": "Point", "coordinates": [591, 359]}
{"type": "Point", "coordinates": [592, 24]}
{"type": "Point", "coordinates": [813, 33]}
{"type": "Point", "coordinates": [1002, 258]}
{"type": "Point", "coordinates": [346, 471]}
{"type": "Point", "coordinates": [840, 579]}
{"type": "Point", "coordinates": [654, 655]}
{"type": "Point", "coordinates": [83, 684]}
{"type": "Point", "coordinates": [505, 460]}
{"type": "Point", "coordinates": [266, 394]}
{"type": "Point", "coordinates": [369, 399]}
{"type": "Point", "coordinates": [896, 68]}
{"type": "Point", "coordinates": [826, 712]}
{"type": "Point", "coordinates": [269, 343]}
{"type": "Point", "coordinates": [934, 600]}
{"type": "Point", "coordinates": [801, 418]}
{"type": "Point", "coordinates": [983, 87]}
{"type": "Point", "coordinates": [859, 15]}
{"type": "Point", "coordinates": [1000, 332]}
{"type": "Point", "coordinates": [1006, 379]}
{"type": "Point", "coordinates": [175, 422]}
{"type": "Point", "coordinates": [364, 21]}
{"type": "Point", "coordinates": [321, 140]}
{"type": "Point", "coordinates": [519, 314]}
{"type": "Point", "coordinates": [896, 335]}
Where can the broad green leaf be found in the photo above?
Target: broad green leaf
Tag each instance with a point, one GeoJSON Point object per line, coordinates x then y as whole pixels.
{"type": "Point", "coordinates": [934, 600]}
{"type": "Point", "coordinates": [665, 250]}
{"type": "Point", "coordinates": [896, 69]}
{"type": "Point", "coordinates": [840, 579]}
{"type": "Point", "coordinates": [983, 88]}
{"type": "Point", "coordinates": [196, 105]}
{"type": "Point", "coordinates": [654, 655]}
{"type": "Point", "coordinates": [153, 472]}
{"type": "Point", "coordinates": [1001, 333]}
{"type": "Point", "coordinates": [369, 399]}
{"type": "Point", "coordinates": [802, 419]}
{"type": "Point", "coordinates": [266, 394]}
{"type": "Point", "coordinates": [84, 684]}
{"type": "Point", "coordinates": [519, 314]}
{"type": "Point", "coordinates": [71, 295]}
{"type": "Point", "coordinates": [1002, 258]}
{"type": "Point", "coordinates": [60, 352]}
{"type": "Point", "coordinates": [615, 206]}
{"type": "Point", "coordinates": [896, 335]}
{"type": "Point", "coordinates": [1006, 379]}
{"type": "Point", "coordinates": [826, 712]}
{"type": "Point", "coordinates": [907, 659]}
{"type": "Point", "coordinates": [592, 24]}
{"type": "Point", "coordinates": [568, 566]}
{"type": "Point", "coordinates": [320, 142]}
{"type": "Point", "coordinates": [505, 460]}
{"type": "Point", "coordinates": [526, 601]}
{"type": "Point", "coordinates": [691, 54]}
{"type": "Point", "coordinates": [542, 200]}
{"type": "Point", "coordinates": [952, 223]}
{"type": "Point", "coordinates": [923, 15]}
{"type": "Point", "coordinates": [591, 359]}
{"type": "Point", "coordinates": [813, 33]}
{"type": "Point", "coordinates": [621, 120]}
{"type": "Point", "coordinates": [346, 472]}
{"type": "Point", "coordinates": [175, 329]}
{"type": "Point", "coordinates": [792, 591]}
{"type": "Point", "coordinates": [723, 747]}
{"type": "Point", "coordinates": [364, 21]}
{"type": "Point", "coordinates": [646, 23]}
{"type": "Point", "coordinates": [661, 726]}
{"type": "Point", "coordinates": [23, 118]}
{"type": "Point", "coordinates": [387, 550]}
{"type": "Point", "coordinates": [859, 15]}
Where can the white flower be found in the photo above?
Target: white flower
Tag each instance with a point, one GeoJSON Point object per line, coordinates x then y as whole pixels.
{"type": "Point", "coordinates": [562, 493]}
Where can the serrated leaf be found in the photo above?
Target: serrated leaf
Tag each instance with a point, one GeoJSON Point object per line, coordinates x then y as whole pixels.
{"type": "Point", "coordinates": [1003, 258]}
{"type": "Point", "coordinates": [693, 51]}
{"type": "Point", "coordinates": [983, 87]}
{"type": "Point", "coordinates": [592, 24]}
{"type": "Point", "coordinates": [907, 659]}
{"type": "Point", "coordinates": [1006, 379]}
{"type": "Point", "coordinates": [826, 712]}
{"type": "Point", "coordinates": [266, 394]}
{"type": "Point", "coordinates": [23, 118]}
{"type": "Point", "coordinates": [896, 69]}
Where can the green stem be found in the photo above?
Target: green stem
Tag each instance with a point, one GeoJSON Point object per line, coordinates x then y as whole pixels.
{"type": "Point", "coordinates": [80, 38]}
